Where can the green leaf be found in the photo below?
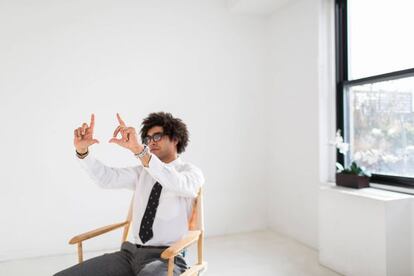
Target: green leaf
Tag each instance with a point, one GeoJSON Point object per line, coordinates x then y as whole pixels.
{"type": "Point", "coordinates": [353, 169]}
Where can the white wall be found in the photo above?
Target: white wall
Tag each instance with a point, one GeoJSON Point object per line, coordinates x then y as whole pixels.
{"type": "Point", "coordinates": [293, 103]}
{"type": "Point", "coordinates": [62, 60]}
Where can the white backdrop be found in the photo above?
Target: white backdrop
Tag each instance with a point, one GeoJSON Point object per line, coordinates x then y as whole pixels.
{"type": "Point", "coordinates": [61, 60]}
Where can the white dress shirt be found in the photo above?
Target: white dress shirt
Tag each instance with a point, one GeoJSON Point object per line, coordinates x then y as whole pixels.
{"type": "Point", "coordinates": [180, 183]}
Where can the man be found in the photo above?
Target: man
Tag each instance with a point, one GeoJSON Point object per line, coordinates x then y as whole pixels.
{"type": "Point", "coordinates": [165, 187]}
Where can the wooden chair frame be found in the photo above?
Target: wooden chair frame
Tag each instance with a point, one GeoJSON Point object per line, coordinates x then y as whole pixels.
{"type": "Point", "coordinates": [195, 234]}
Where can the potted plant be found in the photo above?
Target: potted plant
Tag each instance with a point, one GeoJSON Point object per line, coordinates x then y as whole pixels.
{"type": "Point", "coordinates": [353, 176]}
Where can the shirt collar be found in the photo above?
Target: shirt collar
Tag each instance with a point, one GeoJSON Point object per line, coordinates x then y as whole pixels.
{"type": "Point", "coordinates": [177, 161]}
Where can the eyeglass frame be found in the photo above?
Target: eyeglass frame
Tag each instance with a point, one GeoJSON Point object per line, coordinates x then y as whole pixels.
{"type": "Point", "coordinates": [147, 139]}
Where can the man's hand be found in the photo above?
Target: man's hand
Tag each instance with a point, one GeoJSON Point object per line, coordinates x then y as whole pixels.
{"type": "Point", "coordinates": [83, 136]}
{"type": "Point", "coordinates": [128, 138]}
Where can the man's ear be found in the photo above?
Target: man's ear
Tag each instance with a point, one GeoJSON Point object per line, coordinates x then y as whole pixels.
{"type": "Point", "coordinates": [175, 141]}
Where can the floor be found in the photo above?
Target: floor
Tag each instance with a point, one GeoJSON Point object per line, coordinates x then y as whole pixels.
{"type": "Point", "coordinates": [257, 253]}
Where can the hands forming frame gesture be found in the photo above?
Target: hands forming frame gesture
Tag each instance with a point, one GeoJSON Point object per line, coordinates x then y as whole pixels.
{"type": "Point", "coordinates": [84, 138]}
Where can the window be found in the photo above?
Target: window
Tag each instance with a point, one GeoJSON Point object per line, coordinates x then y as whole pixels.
{"type": "Point", "coordinates": [375, 86]}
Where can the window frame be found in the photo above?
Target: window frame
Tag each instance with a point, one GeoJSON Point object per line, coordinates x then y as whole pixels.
{"type": "Point", "coordinates": [342, 81]}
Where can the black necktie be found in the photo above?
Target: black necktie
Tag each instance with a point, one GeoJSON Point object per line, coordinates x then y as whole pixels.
{"type": "Point", "coordinates": [145, 230]}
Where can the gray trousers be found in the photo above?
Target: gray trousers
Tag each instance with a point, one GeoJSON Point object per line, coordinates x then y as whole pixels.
{"type": "Point", "coordinates": [129, 261]}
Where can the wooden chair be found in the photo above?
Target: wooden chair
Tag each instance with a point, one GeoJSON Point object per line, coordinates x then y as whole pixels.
{"type": "Point", "coordinates": [195, 234]}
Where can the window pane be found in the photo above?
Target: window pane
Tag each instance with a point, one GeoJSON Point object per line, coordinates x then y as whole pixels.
{"type": "Point", "coordinates": [380, 37]}
{"type": "Point", "coordinates": [380, 126]}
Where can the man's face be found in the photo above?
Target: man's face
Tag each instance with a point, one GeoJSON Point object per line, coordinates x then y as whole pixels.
{"type": "Point", "coordinates": [165, 148]}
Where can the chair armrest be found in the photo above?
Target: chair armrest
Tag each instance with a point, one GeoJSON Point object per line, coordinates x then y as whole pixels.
{"type": "Point", "coordinates": [97, 232]}
{"type": "Point", "coordinates": [178, 246]}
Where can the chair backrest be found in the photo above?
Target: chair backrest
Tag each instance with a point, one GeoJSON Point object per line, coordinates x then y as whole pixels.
{"type": "Point", "coordinates": [196, 221]}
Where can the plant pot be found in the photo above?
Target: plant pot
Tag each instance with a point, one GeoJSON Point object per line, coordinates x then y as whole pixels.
{"type": "Point", "coordinates": [352, 181]}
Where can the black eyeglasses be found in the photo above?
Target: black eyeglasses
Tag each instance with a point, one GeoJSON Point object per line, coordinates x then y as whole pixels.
{"type": "Point", "coordinates": [155, 137]}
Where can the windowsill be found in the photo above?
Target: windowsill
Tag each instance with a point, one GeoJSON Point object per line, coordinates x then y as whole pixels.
{"type": "Point", "coordinates": [375, 191]}
{"type": "Point", "coordinates": [391, 188]}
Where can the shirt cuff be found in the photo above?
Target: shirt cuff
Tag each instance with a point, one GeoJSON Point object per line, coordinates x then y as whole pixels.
{"type": "Point", "coordinates": [81, 155]}
{"type": "Point", "coordinates": [88, 160]}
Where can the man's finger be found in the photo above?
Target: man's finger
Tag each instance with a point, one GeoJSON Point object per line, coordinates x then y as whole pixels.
{"type": "Point", "coordinates": [79, 132]}
{"type": "Point", "coordinates": [92, 124]}
{"type": "Point", "coordinates": [75, 132]}
{"type": "Point", "coordinates": [121, 122]}
{"type": "Point", "coordinates": [95, 141]}
{"type": "Point", "coordinates": [84, 127]}
{"type": "Point", "coordinates": [117, 130]}
{"type": "Point", "coordinates": [124, 134]}
{"type": "Point", "coordinates": [129, 130]}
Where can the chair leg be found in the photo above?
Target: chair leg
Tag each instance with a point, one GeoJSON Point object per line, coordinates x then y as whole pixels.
{"type": "Point", "coordinates": [80, 252]}
{"type": "Point", "coordinates": [200, 249]}
{"type": "Point", "coordinates": [170, 266]}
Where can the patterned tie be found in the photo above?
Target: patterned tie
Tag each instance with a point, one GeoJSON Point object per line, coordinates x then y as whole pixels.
{"type": "Point", "coordinates": [145, 230]}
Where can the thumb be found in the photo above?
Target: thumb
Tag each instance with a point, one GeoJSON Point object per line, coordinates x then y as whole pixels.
{"type": "Point", "coordinates": [95, 141]}
{"type": "Point", "coordinates": [115, 140]}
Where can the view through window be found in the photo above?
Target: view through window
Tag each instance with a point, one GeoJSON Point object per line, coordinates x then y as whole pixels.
{"type": "Point", "coordinates": [375, 86]}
